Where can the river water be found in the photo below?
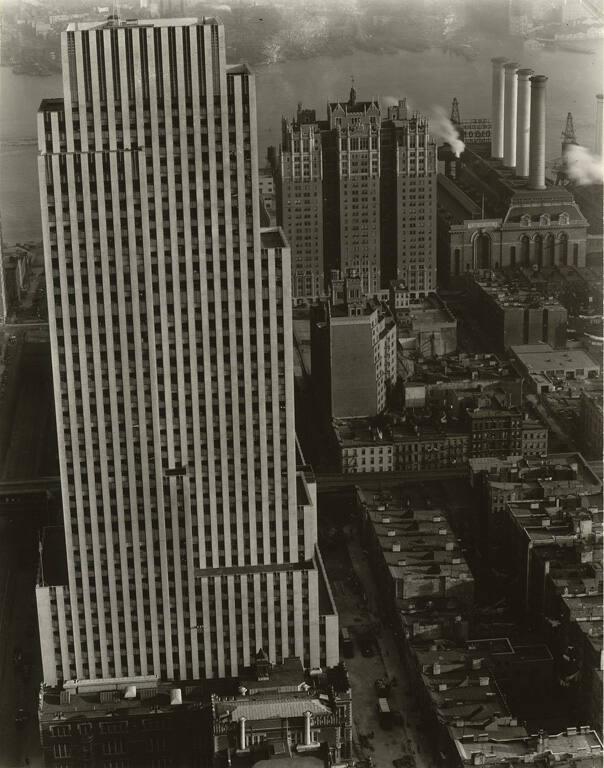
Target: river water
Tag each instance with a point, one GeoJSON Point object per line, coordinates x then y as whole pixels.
{"type": "Point", "coordinates": [427, 79]}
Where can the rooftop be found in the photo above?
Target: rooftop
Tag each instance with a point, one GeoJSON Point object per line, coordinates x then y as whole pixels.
{"type": "Point", "coordinates": [539, 473]}
{"type": "Point", "coordinates": [508, 294]}
{"type": "Point", "coordinates": [114, 21]}
{"type": "Point", "coordinates": [572, 744]}
{"type": "Point", "coordinates": [99, 698]}
{"type": "Point", "coordinates": [541, 358]}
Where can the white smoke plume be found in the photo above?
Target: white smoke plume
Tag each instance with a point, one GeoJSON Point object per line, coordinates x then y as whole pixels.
{"type": "Point", "coordinates": [441, 126]}
{"type": "Point", "coordinates": [389, 101]}
{"type": "Point", "coordinates": [582, 166]}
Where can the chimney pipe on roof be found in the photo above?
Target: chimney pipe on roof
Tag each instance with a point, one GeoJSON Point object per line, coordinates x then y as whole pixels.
{"type": "Point", "coordinates": [509, 120]}
{"type": "Point", "coordinates": [537, 133]}
{"type": "Point", "coordinates": [523, 122]}
{"type": "Point", "coordinates": [497, 108]}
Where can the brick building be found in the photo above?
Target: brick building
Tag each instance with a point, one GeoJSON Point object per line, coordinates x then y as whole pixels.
{"type": "Point", "coordinates": [358, 191]}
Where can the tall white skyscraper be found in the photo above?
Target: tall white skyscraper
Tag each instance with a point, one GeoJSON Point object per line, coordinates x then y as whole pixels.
{"type": "Point", "coordinates": [191, 538]}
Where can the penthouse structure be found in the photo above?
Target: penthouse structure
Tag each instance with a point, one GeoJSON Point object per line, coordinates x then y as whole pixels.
{"type": "Point", "coordinates": [511, 315]}
{"type": "Point", "coordinates": [358, 191]}
{"type": "Point", "coordinates": [190, 536]}
{"type": "Point", "coordinates": [353, 350]}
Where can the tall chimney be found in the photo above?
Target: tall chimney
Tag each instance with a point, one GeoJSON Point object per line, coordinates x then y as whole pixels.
{"type": "Point", "coordinates": [523, 122]}
{"type": "Point", "coordinates": [537, 133]}
{"type": "Point", "coordinates": [509, 119]}
{"type": "Point", "coordinates": [599, 123]}
{"type": "Point", "coordinates": [497, 108]}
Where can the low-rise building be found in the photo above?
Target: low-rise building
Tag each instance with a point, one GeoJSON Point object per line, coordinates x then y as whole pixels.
{"type": "Point", "coordinates": [499, 481]}
{"type": "Point", "coordinates": [128, 722]}
{"type": "Point", "coordinates": [353, 351]}
{"type": "Point", "coordinates": [544, 368]}
{"type": "Point", "coordinates": [566, 521]}
{"type": "Point", "coordinates": [414, 552]}
{"type": "Point", "coordinates": [434, 438]}
{"type": "Point", "coordinates": [281, 711]}
{"type": "Point", "coordinates": [464, 692]}
{"type": "Point", "coordinates": [362, 446]}
{"type": "Point", "coordinates": [576, 747]}
{"type": "Point", "coordinates": [511, 315]}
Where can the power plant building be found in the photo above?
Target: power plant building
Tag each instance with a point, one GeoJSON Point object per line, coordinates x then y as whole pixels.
{"type": "Point", "coordinates": [501, 211]}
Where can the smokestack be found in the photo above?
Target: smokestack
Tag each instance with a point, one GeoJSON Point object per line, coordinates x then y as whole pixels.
{"type": "Point", "coordinates": [523, 122]}
{"type": "Point", "coordinates": [599, 122]}
{"type": "Point", "coordinates": [537, 133]}
{"type": "Point", "coordinates": [509, 119]}
{"type": "Point", "coordinates": [497, 108]}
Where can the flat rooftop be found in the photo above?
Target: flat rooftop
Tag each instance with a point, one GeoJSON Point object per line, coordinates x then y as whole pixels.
{"type": "Point", "coordinates": [541, 358]}
{"type": "Point", "coordinates": [147, 696]}
{"type": "Point", "coordinates": [360, 431]}
{"type": "Point", "coordinates": [119, 23]}
{"type": "Point", "coordinates": [505, 294]}
{"type": "Point", "coordinates": [574, 743]}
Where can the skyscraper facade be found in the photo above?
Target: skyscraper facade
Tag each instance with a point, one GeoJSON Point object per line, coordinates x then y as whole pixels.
{"type": "Point", "coordinates": [190, 535]}
{"type": "Point", "coordinates": [352, 235]}
{"type": "Point", "coordinates": [363, 197]}
{"type": "Point", "coordinates": [408, 195]}
{"type": "Point", "coordinates": [300, 200]}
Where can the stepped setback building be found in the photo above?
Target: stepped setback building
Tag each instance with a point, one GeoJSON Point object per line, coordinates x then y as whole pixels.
{"type": "Point", "coordinates": [191, 538]}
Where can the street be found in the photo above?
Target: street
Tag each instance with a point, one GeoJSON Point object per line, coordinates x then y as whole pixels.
{"type": "Point", "coordinates": [355, 594]}
{"type": "Point", "coordinates": [18, 630]}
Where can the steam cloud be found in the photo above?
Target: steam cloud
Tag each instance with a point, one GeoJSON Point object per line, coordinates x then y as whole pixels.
{"type": "Point", "coordinates": [582, 166]}
{"type": "Point", "coordinates": [441, 126]}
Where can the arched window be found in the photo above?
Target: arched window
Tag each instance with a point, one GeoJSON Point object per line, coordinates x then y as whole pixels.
{"type": "Point", "coordinates": [550, 245]}
{"type": "Point", "coordinates": [525, 251]}
{"type": "Point", "coordinates": [575, 255]}
{"type": "Point", "coordinates": [525, 220]}
{"type": "Point", "coordinates": [539, 250]}
{"type": "Point", "coordinates": [564, 249]}
{"type": "Point", "coordinates": [564, 219]}
{"type": "Point", "coordinates": [482, 251]}
{"type": "Point", "coordinates": [544, 220]}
